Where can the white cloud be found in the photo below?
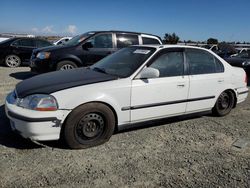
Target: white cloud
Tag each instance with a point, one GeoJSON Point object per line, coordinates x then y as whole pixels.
{"type": "Point", "coordinates": [48, 29]}
{"type": "Point", "coordinates": [34, 29]}
{"type": "Point", "coordinates": [71, 29]}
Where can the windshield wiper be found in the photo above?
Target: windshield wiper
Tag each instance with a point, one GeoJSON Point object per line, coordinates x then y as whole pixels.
{"type": "Point", "coordinates": [102, 70]}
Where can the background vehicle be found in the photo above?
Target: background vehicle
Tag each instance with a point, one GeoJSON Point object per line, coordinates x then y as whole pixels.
{"type": "Point", "coordinates": [62, 41]}
{"type": "Point", "coordinates": [3, 39]}
{"type": "Point", "coordinates": [241, 60]}
{"type": "Point", "coordinates": [136, 84]}
{"type": "Point", "coordinates": [224, 50]}
{"type": "Point", "coordinates": [239, 51]}
{"type": "Point", "coordinates": [86, 49]}
{"type": "Point", "coordinates": [15, 51]}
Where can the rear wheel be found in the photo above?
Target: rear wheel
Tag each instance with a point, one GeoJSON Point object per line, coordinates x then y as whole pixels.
{"type": "Point", "coordinates": [12, 61]}
{"type": "Point", "coordinates": [224, 103]}
{"type": "Point", "coordinates": [66, 65]}
{"type": "Point", "coordinates": [89, 125]}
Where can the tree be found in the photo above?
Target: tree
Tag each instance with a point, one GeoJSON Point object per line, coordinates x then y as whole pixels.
{"type": "Point", "coordinates": [171, 38]}
{"type": "Point", "coordinates": [212, 41]}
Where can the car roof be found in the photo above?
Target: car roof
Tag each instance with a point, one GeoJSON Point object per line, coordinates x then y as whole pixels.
{"type": "Point", "coordinates": [125, 32]}
{"type": "Point", "coordinates": [163, 46]}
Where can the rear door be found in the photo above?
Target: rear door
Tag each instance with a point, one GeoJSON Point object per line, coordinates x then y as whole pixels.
{"type": "Point", "coordinates": [23, 48]}
{"type": "Point", "coordinates": [163, 96]}
{"type": "Point", "coordinates": [207, 79]}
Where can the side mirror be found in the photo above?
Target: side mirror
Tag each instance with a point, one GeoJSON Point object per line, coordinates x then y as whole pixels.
{"type": "Point", "coordinates": [148, 72]}
{"type": "Point", "coordinates": [87, 45]}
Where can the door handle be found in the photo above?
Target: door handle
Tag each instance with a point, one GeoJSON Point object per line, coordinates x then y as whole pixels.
{"type": "Point", "coordinates": [181, 85]}
{"type": "Point", "coordinates": [221, 80]}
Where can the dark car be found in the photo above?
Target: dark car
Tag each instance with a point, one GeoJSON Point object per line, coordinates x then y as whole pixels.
{"type": "Point", "coordinates": [224, 50]}
{"type": "Point", "coordinates": [241, 60]}
{"type": "Point", "coordinates": [15, 51]}
{"type": "Point", "coordinates": [86, 49]}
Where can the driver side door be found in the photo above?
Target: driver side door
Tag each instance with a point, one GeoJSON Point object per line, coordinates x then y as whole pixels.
{"type": "Point", "coordinates": [163, 96]}
{"type": "Point", "coordinates": [99, 46]}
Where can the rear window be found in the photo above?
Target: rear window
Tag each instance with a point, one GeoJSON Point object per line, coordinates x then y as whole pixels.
{"type": "Point", "coordinates": [146, 40]}
{"type": "Point", "coordinates": [42, 43]}
{"type": "Point", "coordinates": [124, 40]}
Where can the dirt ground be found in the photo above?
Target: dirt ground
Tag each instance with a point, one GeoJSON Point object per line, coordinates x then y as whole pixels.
{"type": "Point", "coordinates": [179, 152]}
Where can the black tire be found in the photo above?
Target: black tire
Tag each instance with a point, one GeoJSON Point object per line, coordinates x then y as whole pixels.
{"type": "Point", "coordinates": [12, 61]}
{"type": "Point", "coordinates": [88, 125]}
{"type": "Point", "coordinates": [66, 65]}
{"type": "Point", "coordinates": [224, 103]}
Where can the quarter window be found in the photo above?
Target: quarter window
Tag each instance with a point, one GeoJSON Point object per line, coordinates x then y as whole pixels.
{"type": "Point", "coordinates": [146, 40]}
{"type": "Point", "coordinates": [202, 62]}
{"type": "Point", "coordinates": [124, 40]}
{"type": "Point", "coordinates": [169, 64]}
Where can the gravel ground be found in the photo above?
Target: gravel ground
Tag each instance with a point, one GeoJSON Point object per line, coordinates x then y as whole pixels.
{"type": "Point", "coordinates": [179, 152]}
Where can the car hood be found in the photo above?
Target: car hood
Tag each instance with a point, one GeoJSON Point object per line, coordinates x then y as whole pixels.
{"type": "Point", "coordinates": [59, 80]}
{"type": "Point", "coordinates": [51, 48]}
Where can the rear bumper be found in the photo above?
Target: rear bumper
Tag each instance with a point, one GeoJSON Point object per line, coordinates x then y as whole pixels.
{"type": "Point", "coordinates": [242, 94]}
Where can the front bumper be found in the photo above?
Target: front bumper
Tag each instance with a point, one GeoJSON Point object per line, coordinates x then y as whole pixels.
{"type": "Point", "coordinates": [40, 65]}
{"type": "Point", "coordinates": [34, 124]}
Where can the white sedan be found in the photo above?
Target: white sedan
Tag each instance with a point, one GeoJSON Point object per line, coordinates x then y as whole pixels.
{"type": "Point", "coordinates": [136, 84]}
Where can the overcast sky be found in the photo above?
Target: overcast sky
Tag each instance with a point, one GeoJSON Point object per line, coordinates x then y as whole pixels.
{"type": "Point", "coordinates": [190, 19]}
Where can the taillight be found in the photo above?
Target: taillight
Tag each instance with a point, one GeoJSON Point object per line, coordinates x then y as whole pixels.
{"type": "Point", "coordinates": [245, 78]}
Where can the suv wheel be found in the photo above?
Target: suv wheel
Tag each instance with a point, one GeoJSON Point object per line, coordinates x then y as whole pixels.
{"type": "Point", "coordinates": [12, 61]}
{"type": "Point", "coordinates": [66, 65]}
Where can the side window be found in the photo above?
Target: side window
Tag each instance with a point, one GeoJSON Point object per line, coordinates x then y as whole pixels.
{"type": "Point", "coordinates": [200, 62]}
{"type": "Point", "coordinates": [169, 64]}
{"type": "Point", "coordinates": [26, 43]}
{"type": "Point", "coordinates": [124, 40]}
{"type": "Point", "coordinates": [102, 41]}
{"type": "Point", "coordinates": [41, 43]}
{"type": "Point", "coordinates": [146, 40]}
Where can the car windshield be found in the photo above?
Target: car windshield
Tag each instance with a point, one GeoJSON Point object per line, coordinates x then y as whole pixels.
{"type": "Point", "coordinates": [124, 62]}
{"type": "Point", "coordinates": [78, 39]}
{"type": "Point", "coordinates": [7, 40]}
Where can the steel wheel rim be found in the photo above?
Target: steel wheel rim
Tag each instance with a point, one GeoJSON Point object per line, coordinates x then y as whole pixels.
{"type": "Point", "coordinates": [89, 127]}
{"type": "Point", "coordinates": [67, 67]}
{"type": "Point", "coordinates": [224, 101]}
{"type": "Point", "coordinates": [13, 61]}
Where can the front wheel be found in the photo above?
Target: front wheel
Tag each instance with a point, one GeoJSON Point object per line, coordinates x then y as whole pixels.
{"type": "Point", "coordinates": [224, 103]}
{"type": "Point", "coordinates": [89, 125]}
{"type": "Point", "coordinates": [66, 65]}
{"type": "Point", "coordinates": [12, 61]}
